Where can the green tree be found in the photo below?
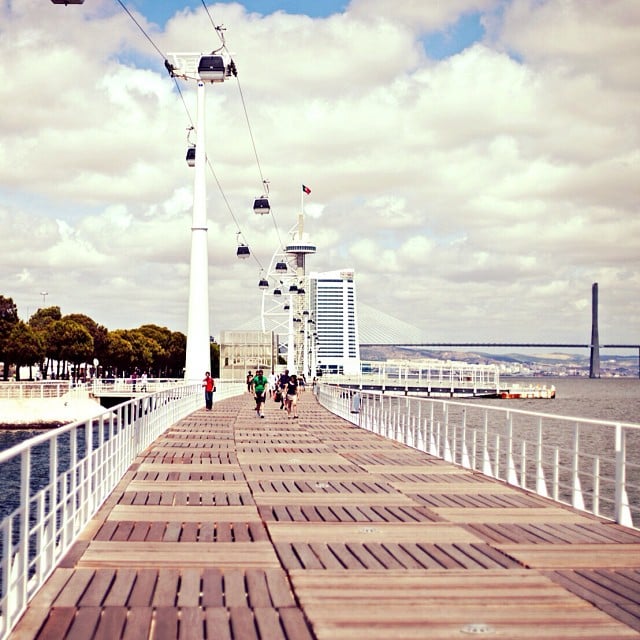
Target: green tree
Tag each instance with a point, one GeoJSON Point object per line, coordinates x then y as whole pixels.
{"type": "Point", "coordinates": [25, 347]}
{"type": "Point", "coordinates": [177, 355]}
{"type": "Point", "coordinates": [8, 320]}
{"type": "Point", "coordinates": [41, 322]}
{"type": "Point", "coordinates": [69, 341]}
{"type": "Point", "coordinates": [119, 353]}
{"type": "Point", "coordinates": [97, 331]}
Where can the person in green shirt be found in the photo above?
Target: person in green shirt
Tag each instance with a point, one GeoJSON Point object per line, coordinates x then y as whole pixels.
{"type": "Point", "coordinates": [259, 386]}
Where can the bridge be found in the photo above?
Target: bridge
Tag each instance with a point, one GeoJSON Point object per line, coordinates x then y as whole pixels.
{"type": "Point", "coordinates": [162, 520]}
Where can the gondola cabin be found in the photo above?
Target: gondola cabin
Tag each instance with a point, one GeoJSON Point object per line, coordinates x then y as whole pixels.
{"type": "Point", "coordinates": [281, 267]}
{"type": "Point", "coordinates": [211, 68]}
{"type": "Point", "coordinates": [300, 291]}
{"type": "Point", "coordinates": [67, 1]}
{"type": "Point", "coordinates": [293, 288]}
{"type": "Point", "coordinates": [191, 156]}
{"type": "Point", "coordinates": [263, 284]}
{"type": "Point", "coordinates": [277, 292]}
{"type": "Point", "coordinates": [243, 252]}
{"type": "Point", "coordinates": [261, 206]}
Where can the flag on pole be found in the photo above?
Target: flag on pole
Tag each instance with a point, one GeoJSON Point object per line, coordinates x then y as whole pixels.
{"type": "Point", "coordinates": [306, 189]}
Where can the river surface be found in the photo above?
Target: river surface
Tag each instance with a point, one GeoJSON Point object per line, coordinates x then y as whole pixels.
{"type": "Point", "coordinates": [615, 399]}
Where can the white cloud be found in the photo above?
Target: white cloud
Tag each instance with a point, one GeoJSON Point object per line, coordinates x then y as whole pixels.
{"type": "Point", "coordinates": [470, 194]}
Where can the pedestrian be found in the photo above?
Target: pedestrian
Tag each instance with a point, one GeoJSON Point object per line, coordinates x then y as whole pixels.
{"type": "Point", "coordinates": [291, 399]}
{"type": "Point", "coordinates": [209, 385]}
{"type": "Point", "coordinates": [143, 381]}
{"type": "Point", "coordinates": [282, 383]}
{"type": "Point", "coordinates": [259, 386]}
{"type": "Point", "coordinates": [249, 379]}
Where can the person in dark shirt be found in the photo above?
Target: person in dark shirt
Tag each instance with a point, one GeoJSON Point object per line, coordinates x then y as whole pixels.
{"type": "Point", "coordinates": [291, 399]}
{"type": "Point", "coordinates": [282, 383]}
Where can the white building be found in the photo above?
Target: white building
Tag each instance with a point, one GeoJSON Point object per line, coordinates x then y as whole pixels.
{"type": "Point", "coordinates": [335, 345]}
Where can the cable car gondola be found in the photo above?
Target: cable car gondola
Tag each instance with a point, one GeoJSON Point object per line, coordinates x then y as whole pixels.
{"type": "Point", "coordinates": [293, 288]}
{"type": "Point", "coordinates": [191, 156]}
{"type": "Point", "coordinates": [281, 266]}
{"type": "Point", "coordinates": [277, 292]}
{"type": "Point", "coordinates": [211, 68]}
{"type": "Point", "coordinates": [301, 291]}
{"type": "Point", "coordinates": [243, 251]}
{"type": "Point", "coordinates": [261, 206]}
{"type": "Point", "coordinates": [263, 284]}
{"type": "Point", "coordinates": [67, 1]}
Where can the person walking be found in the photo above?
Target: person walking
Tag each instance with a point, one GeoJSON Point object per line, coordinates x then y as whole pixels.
{"type": "Point", "coordinates": [209, 385]}
{"type": "Point", "coordinates": [291, 399]}
{"type": "Point", "coordinates": [259, 386]}
{"type": "Point", "coordinates": [282, 383]}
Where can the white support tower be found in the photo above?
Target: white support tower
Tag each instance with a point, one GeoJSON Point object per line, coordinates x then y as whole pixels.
{"type": "Point", "coordinates": [198, 356]}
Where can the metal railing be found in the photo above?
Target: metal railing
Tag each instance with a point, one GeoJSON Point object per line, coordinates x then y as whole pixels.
{"type": "Point", "coordinates": [591, 465]}
{"type": "Point", "coordinates": [53, 484]}
{"type": "Point", "coordinates": [34, 390]}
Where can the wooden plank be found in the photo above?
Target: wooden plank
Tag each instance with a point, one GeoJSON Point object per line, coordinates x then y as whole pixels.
{"type": "Point", "coordinates": [291, 458]}
{"type": "Point", "coordinates": [379, 532]}
{"type": "Point", "coordinates": [452, 488]}
{"type": "Point", "coordinates": [194, 467]}
{"type": "Point", "coordinates": [369, 499]}
{"type": "Point", "coordinates": [196, 513]}
{"type": "Point", "coordinates": [506, 514]}
{"type": "Point", "coordinates": [111, 624]}
{"type": "Point", "coordinates": [425, 469]}
{"type": "Point", "coordinates": [207, 486]}
{"type": "Point", "coordinates": [179, 554]}
{"type": "Point", "coordinates": [574, 556]}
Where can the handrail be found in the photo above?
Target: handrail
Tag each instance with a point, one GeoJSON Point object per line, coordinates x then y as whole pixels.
{"type": "Point", "coordinates": [589, 464]}
{"type": "Point", "coordinates": [60, 478]}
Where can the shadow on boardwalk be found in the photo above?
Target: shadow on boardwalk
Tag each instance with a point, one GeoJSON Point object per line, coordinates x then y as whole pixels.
{"type": "Point", "coordinates": [232, 527]}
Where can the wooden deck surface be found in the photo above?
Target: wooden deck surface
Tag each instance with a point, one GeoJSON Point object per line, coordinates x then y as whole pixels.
{"type": "Point", "coordinates": [234, 528]}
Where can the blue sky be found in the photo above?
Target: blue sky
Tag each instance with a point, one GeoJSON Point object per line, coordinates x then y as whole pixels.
{"type": "Point", "coordinates": [159, 12]}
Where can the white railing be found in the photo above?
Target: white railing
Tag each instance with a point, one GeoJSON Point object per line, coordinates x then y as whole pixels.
{"type": "Point", "coordinates": [432, 377]}
{"type": "Point", "coordinates": [34, 390]}
{"type": "Point", "coordinates": [592, 465]}
{"type": "Point", "coordinates": [59, 479]}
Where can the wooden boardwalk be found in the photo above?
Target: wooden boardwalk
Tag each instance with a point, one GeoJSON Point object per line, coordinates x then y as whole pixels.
{"type": "Point", "coordinates": [231, 527]}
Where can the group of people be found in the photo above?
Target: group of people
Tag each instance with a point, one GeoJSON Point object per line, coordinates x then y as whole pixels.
{"type": "Point", "coordinates": [284, 388]}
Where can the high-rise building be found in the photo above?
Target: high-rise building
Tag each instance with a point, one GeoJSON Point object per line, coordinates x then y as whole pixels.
{"type": "Point", "coordinates": [335, 344]}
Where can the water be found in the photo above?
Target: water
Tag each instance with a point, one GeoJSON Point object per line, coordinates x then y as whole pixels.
{"type": "Point", "coordinates": [614, 399]}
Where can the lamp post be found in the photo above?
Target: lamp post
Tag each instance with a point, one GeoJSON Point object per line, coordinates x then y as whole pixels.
{"type": "Point", "coordinates": [198, 356]}
{"type": "Point", "coordinates": [44, 295]}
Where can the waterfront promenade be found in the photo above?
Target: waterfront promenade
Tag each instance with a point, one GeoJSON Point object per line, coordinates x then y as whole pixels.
{"type": "Point", "coordinates": [231, 527]}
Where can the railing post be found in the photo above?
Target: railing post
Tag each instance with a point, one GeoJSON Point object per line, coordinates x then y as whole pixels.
{"type": "Point", "coordinates": [622, 511]}
{"type": "Point", "coordinates": [541, 485]}
{"type": "Point", "coordinates": [577, 499]}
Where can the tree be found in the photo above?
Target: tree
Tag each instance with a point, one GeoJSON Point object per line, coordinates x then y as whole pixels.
{"type": "Point", "coordinates": [8, 320]}
{"type": "Point", "coordinates": [41, 322]}
{"type": "Point", "coordinates": [119, 353]}
{"type": "Point", "coordinates": [177, 354]}
{"type": "Point", "coordinates": [25, 347]}
{"type": "Point", "coordinates": [97, 331]}
{"type": "Point", "coordinates": [69, 341]}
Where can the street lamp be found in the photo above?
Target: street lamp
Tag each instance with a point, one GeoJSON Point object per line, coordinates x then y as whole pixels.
{"type": "Point", "coordinates": [202, 68]}
{"type": "Point", "coordinates": [44, 295]}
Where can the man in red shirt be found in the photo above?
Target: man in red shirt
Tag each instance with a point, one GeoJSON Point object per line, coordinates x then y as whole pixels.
{"type": "Point", "coordinates": [209, 386]}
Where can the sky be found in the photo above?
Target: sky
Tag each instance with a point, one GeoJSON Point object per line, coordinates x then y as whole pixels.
{"type": "Point", "coordinates": [476, 162]}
